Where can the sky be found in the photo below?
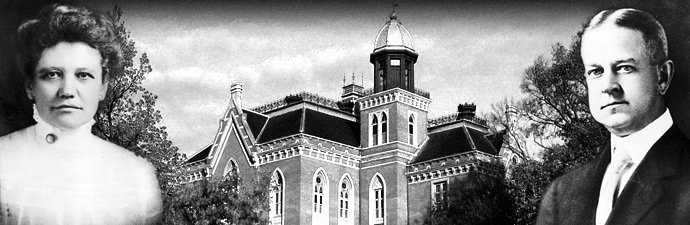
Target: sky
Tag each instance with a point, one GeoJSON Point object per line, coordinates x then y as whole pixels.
{"type": "Point", "coordinates": [469, 51]}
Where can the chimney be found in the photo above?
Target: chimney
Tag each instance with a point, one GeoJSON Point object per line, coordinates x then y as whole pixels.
{"type": "Point", "coordinates": [236, 95]}
{"type": "Point", "coordinates": [466, 110]}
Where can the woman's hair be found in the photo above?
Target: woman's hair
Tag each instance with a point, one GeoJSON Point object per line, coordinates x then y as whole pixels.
{"type": "Point", "coordinates": [63, 23]}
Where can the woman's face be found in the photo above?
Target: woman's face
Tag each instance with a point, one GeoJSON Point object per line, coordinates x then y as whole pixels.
{"type": "Point", "coordinates": [68, 84]}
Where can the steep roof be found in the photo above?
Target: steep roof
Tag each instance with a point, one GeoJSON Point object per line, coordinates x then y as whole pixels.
{"type": "Point", "coordinates": [331, 128]}
{"type": "Point", "coordinates": [453, 141]}
{"type": "Point", "coordinates": [281, 126]}
{"type": "Point", "coordinates": [256, 122]}
{"type": "Point", "coordinates": [312, 122]}
{"type": "Point", "coordinates": [200, 155]}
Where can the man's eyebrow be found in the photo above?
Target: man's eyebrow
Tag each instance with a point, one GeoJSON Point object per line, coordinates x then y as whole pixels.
{"type": "Point", "coordinates": [630, 60]}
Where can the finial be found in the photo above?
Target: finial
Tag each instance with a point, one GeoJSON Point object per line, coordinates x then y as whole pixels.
{"type": "Point", "coordinates": [393, 15]}
{"type": "Point", "coordinates": [362, 78]}
{"type": "Point", "coordinates": [353, 76]}
{"type": "Point", "coordinates": [343, 80]}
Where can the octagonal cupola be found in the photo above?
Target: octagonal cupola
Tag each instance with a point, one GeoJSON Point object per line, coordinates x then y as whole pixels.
{"type": "Point", "coordinates": [393, 35]}
{"type": "Point", "coordinates": [393, 57]}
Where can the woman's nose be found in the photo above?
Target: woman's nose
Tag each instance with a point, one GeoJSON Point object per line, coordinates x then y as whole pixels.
{"type": "Point", "coordinates": [66, 87]}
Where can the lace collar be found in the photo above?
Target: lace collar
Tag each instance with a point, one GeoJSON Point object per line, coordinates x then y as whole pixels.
{"type": "Point", "coordinates": [53, 135]}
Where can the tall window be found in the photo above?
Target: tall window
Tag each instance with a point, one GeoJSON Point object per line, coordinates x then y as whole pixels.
{"type": "Point", "coordinates": [379, 131]}
{"type": "Point", "coordinates": [377, 196]}
{"type": "Point", "coordinates": [375, 131]}
{"type": "Point", "coordinates": [408, 65]}
{"type": "Point", "coordinates": [230, 168]}
{"type": "Point", "coordinates": [411, 130]}
{"type": "Point", "coordinates": [382, 76]}
{"type": "Point", "coordinates": [439, 195]}
{"type": "Point", "coordinates": [320, 206]}
{"type": "Point", "coordinates": [345, 202]}
{"type": "Point", "coordinates": [276, 201]}
{"type": "Point", "coordinates": [384, 128]}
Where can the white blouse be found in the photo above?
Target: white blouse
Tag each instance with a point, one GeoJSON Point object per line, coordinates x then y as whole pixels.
{"type": "Point", "coordinates": [48, 176]}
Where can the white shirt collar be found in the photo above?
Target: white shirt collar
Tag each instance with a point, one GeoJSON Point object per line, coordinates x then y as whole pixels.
{"type": "Point", "coordinates": [638, 144]}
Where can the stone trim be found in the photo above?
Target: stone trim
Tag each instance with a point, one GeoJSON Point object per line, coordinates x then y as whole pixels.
{"type": "Point", "coordinates": [394, 95]}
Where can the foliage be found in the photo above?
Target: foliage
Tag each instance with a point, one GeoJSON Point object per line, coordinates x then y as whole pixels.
{"type": "Point", "coordinates": [479, 200]}
{"type": "Point", "coordinates": [518, 144]}
{"type": "Point", "coordinates": [224, 201]}
{"type": "Point", "coordinates": [128, 118]}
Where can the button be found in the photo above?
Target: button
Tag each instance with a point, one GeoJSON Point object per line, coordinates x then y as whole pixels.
{"type": "Point", "coordinates": [51, 138]}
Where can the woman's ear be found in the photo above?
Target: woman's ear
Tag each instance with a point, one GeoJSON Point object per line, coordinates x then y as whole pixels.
{"type": "Point", "coordinates": [665, 76]}
{"type": "Point", "coordinates": [103, 91]}
{"type": "Point", "coordinates": [29, 87]}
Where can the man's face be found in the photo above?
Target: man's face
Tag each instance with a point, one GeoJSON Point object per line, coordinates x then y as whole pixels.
{"type": "Point", "coordinates": [623, 85]}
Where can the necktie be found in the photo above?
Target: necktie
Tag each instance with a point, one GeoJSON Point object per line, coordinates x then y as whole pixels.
{"type": "Point", "coordinates": [611, 184]}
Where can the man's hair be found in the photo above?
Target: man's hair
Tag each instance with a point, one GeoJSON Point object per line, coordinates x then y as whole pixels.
{"type": "Point", "coordinates": [63, 23]}
{"type": "Point", "coordinates": [652, 31]}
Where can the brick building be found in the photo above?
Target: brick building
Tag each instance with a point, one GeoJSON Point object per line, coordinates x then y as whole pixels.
{"type": "Point", "coordinates": [372, 157]}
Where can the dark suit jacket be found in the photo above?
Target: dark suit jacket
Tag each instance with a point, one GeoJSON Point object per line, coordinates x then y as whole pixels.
{"type": "Point", "coordinates": [658, 191]}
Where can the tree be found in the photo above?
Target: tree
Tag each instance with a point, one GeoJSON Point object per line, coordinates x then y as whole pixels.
{"type": "Point", "coordinates": [128, 117]}
{"type": "Point", "coordinates": [557, 106]}
{"type": "Point", "coordinates": [519, 144]}
{"type": "Point", "coordinates": [481, 199]}
{"type": "Point", "coordinates": [225, 201]}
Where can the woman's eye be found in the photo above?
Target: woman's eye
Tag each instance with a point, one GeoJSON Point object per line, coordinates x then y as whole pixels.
{"type": "Point", "coordinates": [51, 75]}
{"type": "Point", "coordinates": [84, 75]}
{"type": "Point", "coordinates": [594, 72]}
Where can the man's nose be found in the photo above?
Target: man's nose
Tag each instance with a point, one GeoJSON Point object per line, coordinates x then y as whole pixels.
{"type": "Point", "coordinates": [611, 85]}
{"type": "Point", "coordinates": [67, 86]}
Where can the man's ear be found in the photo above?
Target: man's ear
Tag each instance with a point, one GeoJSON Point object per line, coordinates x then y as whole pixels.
{"type": "Point", "coordinates": [665, 76]}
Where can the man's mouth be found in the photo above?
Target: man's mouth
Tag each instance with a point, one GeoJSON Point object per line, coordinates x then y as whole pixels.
{"type": "Point", "coordinates": [614, 103]}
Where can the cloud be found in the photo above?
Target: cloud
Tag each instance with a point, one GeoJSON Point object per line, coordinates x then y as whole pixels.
{"type": "Point", "coordinates": [465, 56]}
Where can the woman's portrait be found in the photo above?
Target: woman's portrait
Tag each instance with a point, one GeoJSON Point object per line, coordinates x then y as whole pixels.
{"type": "Point", "coordinates": [57, 171]}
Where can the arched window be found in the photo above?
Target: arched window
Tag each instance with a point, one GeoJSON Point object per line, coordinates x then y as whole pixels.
{"type": "Point", "coordinates": [384, 128]}
{"type": "Point", "coordinates": [320, 206]}
{"type": "Point", "coordinates": [411, 130]}
{"type": "Point", "coordinates": [276, 201]}
{"type": "Point", "coordinates": [230, 168]}
{"type": "Point", "coordinates": [377, 204]}
{"type": "Point", "coordinates": [375, 131]}
{"type": "Point", "coordinates": [345, 201]}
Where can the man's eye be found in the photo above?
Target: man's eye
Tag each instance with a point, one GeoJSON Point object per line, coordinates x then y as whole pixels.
{"type": "Point", "coordinates": [626, 69]}
{"type": "Point", "coordinates": [84, 75]}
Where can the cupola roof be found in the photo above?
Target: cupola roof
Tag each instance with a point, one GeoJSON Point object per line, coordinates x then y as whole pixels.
{"type": "Point", "coordinates": [393, 35]}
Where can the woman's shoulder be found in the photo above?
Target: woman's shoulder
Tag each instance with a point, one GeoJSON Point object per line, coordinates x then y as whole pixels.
{"type": "Point", "coordinates": [16, 136]}
{"type": "Point", "coordinates": [123, 157]}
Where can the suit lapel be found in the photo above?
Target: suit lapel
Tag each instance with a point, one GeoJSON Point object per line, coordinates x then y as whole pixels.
{"type": "Point", "coordinates": [645, 187]}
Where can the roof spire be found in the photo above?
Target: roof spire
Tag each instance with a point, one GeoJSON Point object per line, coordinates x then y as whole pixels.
{"type": "Point", "coordinates": [353, 76]}
{"type": "Point", "coordinates": [393, 15]}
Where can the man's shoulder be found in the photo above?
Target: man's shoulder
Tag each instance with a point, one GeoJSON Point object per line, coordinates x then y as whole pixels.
{"type": "Point", "coordinates": [579, 176]}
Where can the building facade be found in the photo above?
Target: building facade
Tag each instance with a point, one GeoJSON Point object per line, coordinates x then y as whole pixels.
{"type": "Point", "coordinates": [371, 157]}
